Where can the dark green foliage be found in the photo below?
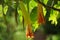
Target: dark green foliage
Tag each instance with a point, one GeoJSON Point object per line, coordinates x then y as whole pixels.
{"type": "Point", "coordinates": [26, 1]}
{"type": "Point", "coordinates": [1, 1]}
{"type": "Point", "coordinates": [33, 14]}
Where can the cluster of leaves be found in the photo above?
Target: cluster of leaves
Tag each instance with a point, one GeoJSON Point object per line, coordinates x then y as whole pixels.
{"type": "Point", "coordinates": [30, 12]}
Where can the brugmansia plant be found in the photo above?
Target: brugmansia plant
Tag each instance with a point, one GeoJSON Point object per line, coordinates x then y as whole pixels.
{"type": "Point", "coordinates": [40, 16]}
{"type": "Point", "coordinates": [34, 15]}
{"type": "Point", "coordinates": [27, 19]}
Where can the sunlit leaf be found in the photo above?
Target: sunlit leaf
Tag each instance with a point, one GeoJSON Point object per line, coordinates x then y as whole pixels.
{"type": "Point", "coordinates": [35, 25]}
{"type": "Point", "coordinates": [53, 17]}
{"type": "Point", "coordinates": [57, 6]}
{"type": "Point", "coordinates": [45, 1]}
{"type": "Point", "coordinates": [44, 11]}
{"type": "Point", "coordinates": [20, 15]}
{"type": "Point", "coordinates": [32, 4]}
{"type": "Point", "coordinates": [5, 9]}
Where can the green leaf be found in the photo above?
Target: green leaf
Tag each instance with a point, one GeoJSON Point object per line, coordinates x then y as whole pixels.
{"type": "Point", "coordinates": [20, 15]}
{"type": "Point", "coordinates": [53, 17]}
{"type": "Point", "coordinates": [5, 9]}
{"type": "Point", "coordinates": [27, 3]}
{"type": "Point", "coordinates": [33, 14]}
{"type": "Point", "coordinates": [44, 11]}
{"type": "Point", "coordinates": [32, 4]}
{"type": "Point", "coordinates": [35, 25]}
{"type": "Point", "coordinates": [45, 1]}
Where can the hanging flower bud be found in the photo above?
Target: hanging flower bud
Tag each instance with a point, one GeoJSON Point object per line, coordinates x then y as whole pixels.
{"type": "Point", "coordinates": [29, 33]}
{"type": "Point", "coordinates": [40, 14]}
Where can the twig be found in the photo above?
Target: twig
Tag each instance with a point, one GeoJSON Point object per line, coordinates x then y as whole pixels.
{"type": "Point", "coordinates": [48, 6]}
